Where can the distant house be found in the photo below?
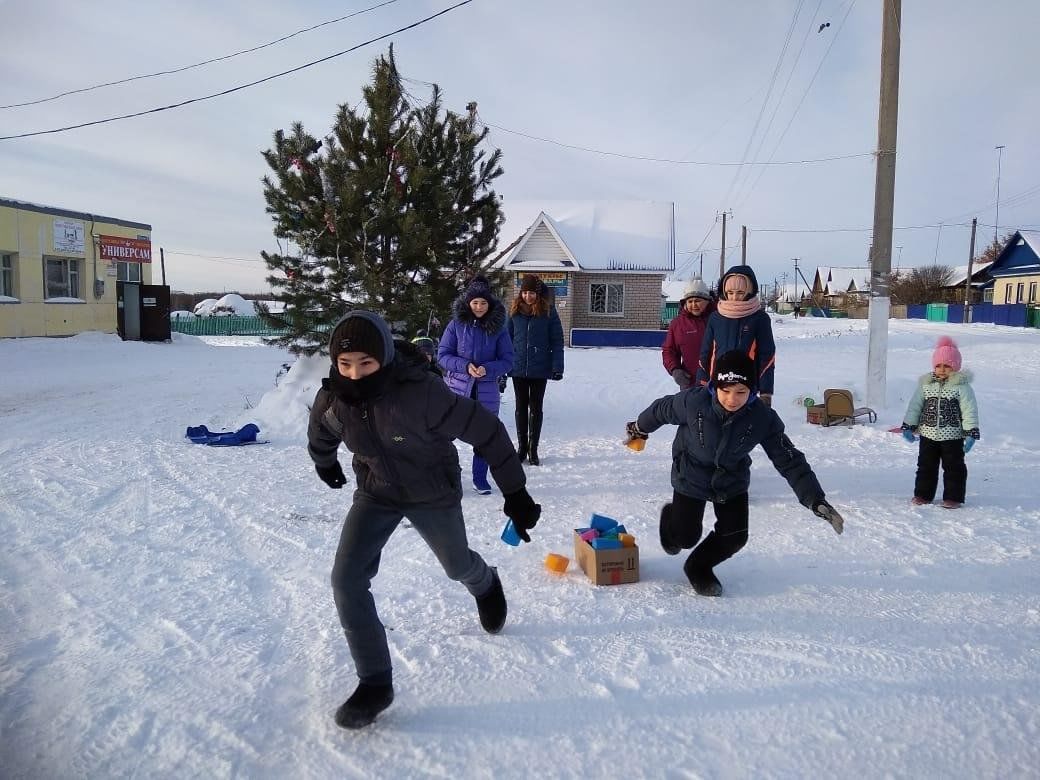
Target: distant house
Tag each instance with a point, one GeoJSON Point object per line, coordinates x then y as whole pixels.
{"type": "Point", "coordinates": [1014, 277]}
{"type": "Point", "coordinates": [605, 262]}
{"type": "Point", "coordinates": [837, 287]}
{"type": "Point", "coordinates": [980, 281]}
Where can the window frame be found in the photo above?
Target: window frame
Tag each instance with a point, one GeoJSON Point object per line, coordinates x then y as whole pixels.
{"type": "Point", "coordinates": [122, 272]}
{"type": "Point", "coordinates": [1032, 292]}
{"type": "Point", "coordinates": [7, 278]}
{"type": "Point", "coordinates": [71, 277]}
{"type": "Point", "coordinates": [1008, 290]}
{"type": "Point", "coordinates": [1020, 292]}
{"type": "Point", "coordinates": [619, 288]}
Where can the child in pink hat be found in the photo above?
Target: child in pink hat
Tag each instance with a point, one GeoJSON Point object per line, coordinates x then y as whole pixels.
{"type": "Point", "coordinates": [944, 413]}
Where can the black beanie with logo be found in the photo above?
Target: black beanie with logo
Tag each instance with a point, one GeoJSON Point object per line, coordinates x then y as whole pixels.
{"type": "Point", "coordinates": [362, 331]}
{"type": "Point", "coordinates": [732, 368]}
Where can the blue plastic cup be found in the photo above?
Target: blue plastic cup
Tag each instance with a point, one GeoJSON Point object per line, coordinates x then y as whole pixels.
{"type": "Point", "coordinates": [509, 534]}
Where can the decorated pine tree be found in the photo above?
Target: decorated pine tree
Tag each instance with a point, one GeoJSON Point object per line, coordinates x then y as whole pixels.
{"type": "Point", "coordinates": [392, 211]}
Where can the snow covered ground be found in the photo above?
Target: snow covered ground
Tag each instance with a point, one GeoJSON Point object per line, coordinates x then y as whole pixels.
{"type": "Point", "coordinates": [165, 607]}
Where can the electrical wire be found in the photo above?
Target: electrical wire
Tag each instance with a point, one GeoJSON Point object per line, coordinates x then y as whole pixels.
{"type": "Point", "coordinates": [197, 64]}
{"type": "Point", "coordinates": [222, 93]}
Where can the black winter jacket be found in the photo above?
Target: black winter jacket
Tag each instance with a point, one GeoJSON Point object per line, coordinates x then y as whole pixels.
{"type": "Point", "coordinates": [402, 439]}
{"type": "Point", "coordinates": [711, 452]}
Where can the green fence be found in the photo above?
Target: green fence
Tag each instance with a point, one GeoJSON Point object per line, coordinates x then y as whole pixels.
{"type": "Point", "coordinates": [936, 312]}
{"type": "Point", "coordinates": [1033, 316]}
{"type": "Point", "coordinates": [229, 326]}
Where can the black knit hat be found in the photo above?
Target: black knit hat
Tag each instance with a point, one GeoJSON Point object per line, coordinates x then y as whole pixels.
{"type": "Point", "coordinates": [479, 287]}
{"type": "Point", "coordinates": [732, 368]}
{"type": "Point", "coordinates": [531, 283]}
{"type": "Point", "coordinates": [362, 331]}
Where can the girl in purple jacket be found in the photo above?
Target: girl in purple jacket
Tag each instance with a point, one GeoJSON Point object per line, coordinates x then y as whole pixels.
{"type": "Point", "coordinates": [474, 352]}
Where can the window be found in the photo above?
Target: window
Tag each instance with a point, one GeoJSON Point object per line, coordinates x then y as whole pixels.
{"type": "Point", "coordinates": [60, 277]}
{"type": "Point", "coordinates": [128, 272]}
{"type": "Point", "coordinates": [1020, 293]}
{"type": "Point", "coordinates": [1032, 292]}
{"type": "Point", "coordinates": [1007, 293]}
{"type": "Point", "coordinates": [607, 299]}
{"type": "Point", "coordinates": [7, 276]}
{"type": "Point", "coordinates": [987, 295]}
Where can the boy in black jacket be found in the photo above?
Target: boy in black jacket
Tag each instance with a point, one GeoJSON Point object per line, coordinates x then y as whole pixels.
{"type": "Point", "coordinates": [719, 425]}
{"type": "Point", "coordinates": [399, 419]}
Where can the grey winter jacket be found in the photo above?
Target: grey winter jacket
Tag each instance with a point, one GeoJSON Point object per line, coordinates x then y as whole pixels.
{"type": "Point", "coordinates": [402, 440]}
{"type": "Point", "coordinates": [711, 452]}
{"type": "Point", "coordinates": [942, 411]}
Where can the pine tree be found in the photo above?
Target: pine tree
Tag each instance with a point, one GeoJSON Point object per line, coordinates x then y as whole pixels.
{"type": "Point", "coordinates": [393, 212]}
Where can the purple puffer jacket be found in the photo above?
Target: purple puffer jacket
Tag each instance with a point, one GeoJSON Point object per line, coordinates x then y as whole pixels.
{"type": "Point", "coordinates": [484, 342]}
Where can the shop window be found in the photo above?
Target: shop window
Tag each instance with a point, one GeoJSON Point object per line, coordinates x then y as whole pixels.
{"type": "Point", "coordinates": [607, 299]}
{"type": "Point", "coordinates": [128, 272]}
{"type": "Point", "coordinates": [7, 276]}
{"type": "Point", "coordinates": [60, 277]}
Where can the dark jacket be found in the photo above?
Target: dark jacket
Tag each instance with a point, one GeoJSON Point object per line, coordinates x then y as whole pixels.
{"type": "Point", "coordinates": [484, 342]}
{"type": "Point", "coordinates": [402, 439]}
{"type": "Point", "coordinates": [752, 335]}
{"type": "Point", "coordinates": [682, 343]}
{"type": "Point", "coordinates": [711, 452]}
{"type": "Point", "coordinates": [537, 345]}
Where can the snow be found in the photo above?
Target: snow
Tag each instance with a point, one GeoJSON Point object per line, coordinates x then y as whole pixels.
{"type": "Point", "coordinates": [165, 607]}
{"type": "Point", "coordinates": [232, 303]}
{"type": "Point", "coordinates": [9, 299]}
{"type": "Point", "coordinates": [181, 315]}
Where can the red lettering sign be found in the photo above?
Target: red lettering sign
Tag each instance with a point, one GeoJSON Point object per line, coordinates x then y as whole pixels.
{"type": "Point", "coordinates": [126, 250]}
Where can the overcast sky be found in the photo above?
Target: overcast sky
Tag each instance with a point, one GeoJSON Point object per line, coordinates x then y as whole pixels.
{"type": "Point", "coordinates": [670, 79]}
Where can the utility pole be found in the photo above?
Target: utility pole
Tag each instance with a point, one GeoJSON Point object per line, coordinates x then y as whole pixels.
{"type": "Point", "coordinates": [967, 280]}
{"type": "Point", "coordinates": [884, 205]}
{"type": "Point", "coordinates": [1000, 153]}
{"type": "Point", "coordinates": [722, 257]}
{"type": "Point", "coordinates": [701, 271]}
{"type": "Point", "coordinates": [162, 265]}
{"type": "Point", "coordinates": [743, 244]}
{"type": "Point", "coordinates": [796, 280]}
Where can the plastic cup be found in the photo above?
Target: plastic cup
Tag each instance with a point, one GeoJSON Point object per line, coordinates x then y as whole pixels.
{"type": "Point", "coordinates": [509, 534]}
{"type": "Point", "coordinates": [636, 445]}
{"type": "Point", "coordinates": [557, 563]}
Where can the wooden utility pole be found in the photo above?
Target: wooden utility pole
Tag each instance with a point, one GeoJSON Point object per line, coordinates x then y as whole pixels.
{"type": "Point", "coordinates": [967, 280]}
{"type": "Point", "coordinates": [722, 257]}
{"type": "Point", "coordinates": [884, 203]}
{"type": "Point", "coordinates": [162, 265]}
{"type": "Point", "coordinates": [743, 244]}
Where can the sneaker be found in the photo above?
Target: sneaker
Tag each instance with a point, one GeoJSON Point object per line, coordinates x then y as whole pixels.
{"type": "Point", "coordinates": [363, 705]}
{"type": "Point", "coordinates": [482, 487]}
{"type": "Point", "coordinates": [704, 581]}
{"type": "Point", "coordinates": [666, 545]}
{"type": "Point", "coordinates": [492, 606]}
{"type": "Point", "coordinates": [947, 504]}
{"type": "Point", "coordinates": [918, 501]}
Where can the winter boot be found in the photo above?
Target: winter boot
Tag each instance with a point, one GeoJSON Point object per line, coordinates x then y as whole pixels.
{"type": "Point", "coordinates": [666, 520]}
{"type": "Point", "coordinates": [522, 444]}
{"type": "Point", "coordinates": [702, 578]}
{"type": "Point", "coordinates": [536, 433]}
{"type": "Point", "coordinates": [363, 705]}
{"type": "Point", "coordinates": [948, 504]}
{"type": "Point", "coordinates": [492, 605]}
{"type": "Point", "coordinates": [480, 480]}
{"type": "Point", "coordinates": [918, 501]}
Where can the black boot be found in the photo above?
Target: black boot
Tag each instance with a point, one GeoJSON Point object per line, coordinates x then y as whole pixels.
{"type": "Point", "coordinates": [536, 434]}
{"type": "Point", "coordinates": [702, 577]}
{"type": "Point", "coordinates": [363, 705]}
{"type": "Point", "coordinates": [522, 445]}
{"type": "Point", "coordinates": [492, 606]}
{"type": "Point", "coordinates": [666, 518]}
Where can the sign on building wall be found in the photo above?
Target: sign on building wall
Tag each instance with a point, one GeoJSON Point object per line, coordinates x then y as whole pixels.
{"type": "Point", "coordinates": [68, 236]}
{"type": "Point", "coordinates": [557, 280]}
{"type": "Point", "coordinates": [126, 250]}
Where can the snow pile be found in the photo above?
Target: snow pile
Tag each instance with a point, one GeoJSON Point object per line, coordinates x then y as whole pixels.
{"type": "Point", "coordinates": [230, 304]}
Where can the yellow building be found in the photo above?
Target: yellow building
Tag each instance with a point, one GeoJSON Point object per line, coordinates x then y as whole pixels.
{"type": "Point", "coordinates": [59, 268]}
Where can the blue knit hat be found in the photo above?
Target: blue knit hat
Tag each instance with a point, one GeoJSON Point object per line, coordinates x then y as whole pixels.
{"type": "Point", "coordinates": [479, 287]}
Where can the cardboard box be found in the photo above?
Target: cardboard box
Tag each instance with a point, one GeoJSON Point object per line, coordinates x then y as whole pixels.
{"type": "Point", "coordinates": [814, 414]}
{"type": "Point", "coordinates": [607, 567]}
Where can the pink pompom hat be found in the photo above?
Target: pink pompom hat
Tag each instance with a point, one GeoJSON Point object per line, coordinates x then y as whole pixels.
{"type": "Point", "coordinates": [946, 352]}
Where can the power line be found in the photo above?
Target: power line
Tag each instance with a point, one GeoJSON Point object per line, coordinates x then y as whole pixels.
{"type": "Point", "coordinates": [197, 64]}
{"type": "Point", "coordinates": [241, 86]}
{"type": "Point", "coordinates": [211, 257]}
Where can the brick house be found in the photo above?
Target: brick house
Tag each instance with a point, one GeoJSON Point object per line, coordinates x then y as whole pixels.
{"type": "Point", "coordinates": [605, 262]}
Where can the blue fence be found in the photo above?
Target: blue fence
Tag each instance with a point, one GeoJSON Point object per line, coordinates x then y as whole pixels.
{"type": "Point", "coordinates": [1019, 315]}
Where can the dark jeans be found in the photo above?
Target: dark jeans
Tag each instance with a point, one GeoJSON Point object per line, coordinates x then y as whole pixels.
{"type": "Point", "coordinates": [530, 395]}
{"type": "Point", "coordinates": [366, 531]}
{"type": "Point", "coordinates": [955, 474]}
{"type": "Point", "coordinates": [685, 523]}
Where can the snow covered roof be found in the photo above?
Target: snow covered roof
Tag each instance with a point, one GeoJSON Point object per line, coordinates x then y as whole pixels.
{"type": "Point", "coordinates": [57, 211]}
{"type": "Point", "coordinates": [839, 280]}
{"type": "Point", "coordinates": [1032, 238]}
{"type": "Point", "coordinates": [588, 235]}
{"type": "Point", "coordinates": [960, 272]}
{"type": "Point", "coordinates": [232, 303]}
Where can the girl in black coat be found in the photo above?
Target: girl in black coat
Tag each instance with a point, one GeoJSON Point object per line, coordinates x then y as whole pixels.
{"type": "Point", "coordinates": [719, 425]}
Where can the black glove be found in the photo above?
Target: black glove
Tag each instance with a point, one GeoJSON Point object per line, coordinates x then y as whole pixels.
{"type": "Point", "coordinates": [557, 376]}
{"type": "Point", "coordinates": [502, 383]}
{"type": "Point", "coordinates": [523, 511]}
{"type": "Point", "coordinates": [332, 475]}
{"type": "Point", "coordinates": [633, 432]}
{"type": "Point", "coordinates": [822, 509]}
{"type": "Point", "coordinates": [682, 378]}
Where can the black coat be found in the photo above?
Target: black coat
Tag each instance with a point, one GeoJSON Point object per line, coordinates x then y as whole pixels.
{"type": "Point", "coordinates": [711, 457]}
{"type": "Point", "coordinates": [402, 440]}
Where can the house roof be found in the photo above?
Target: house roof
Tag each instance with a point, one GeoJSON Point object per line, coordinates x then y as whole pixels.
{"type": "Point", "coordinates": [960, 272]}
{"type": "Point", "coordinates": [1028, 238]}
{"type": "Point", "coordinates": [633, 236]}
{"type": "Point", "coordinates": [56, 211]}
{"type": "Point", "coordinates": [839, 280]}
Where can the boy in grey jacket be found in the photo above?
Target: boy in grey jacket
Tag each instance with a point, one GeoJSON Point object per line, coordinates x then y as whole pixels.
{"type": "Point", "coordinates": [395, 414]}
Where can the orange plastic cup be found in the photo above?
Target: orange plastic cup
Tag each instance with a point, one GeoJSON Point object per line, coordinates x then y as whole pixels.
{"type": "Point", "coordinates": [557, 563]}
{"type": "Point", "coordinates": [627, 540]}
{"type": "Point", "coordinates": [636, 445]}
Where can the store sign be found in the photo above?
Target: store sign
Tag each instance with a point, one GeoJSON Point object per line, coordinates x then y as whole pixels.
{"type": "Point", "coordinates": [126, 250]}
{"type": "Point", "coordinates": [68, 236]}
{"type": "Point", "coordinates": [557, 280]}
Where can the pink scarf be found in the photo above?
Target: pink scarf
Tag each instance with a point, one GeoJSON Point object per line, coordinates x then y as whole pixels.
{"type": "Point", "coordinates": [734, 310]}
